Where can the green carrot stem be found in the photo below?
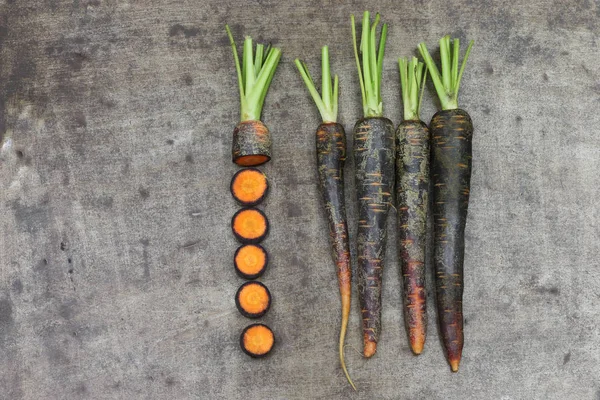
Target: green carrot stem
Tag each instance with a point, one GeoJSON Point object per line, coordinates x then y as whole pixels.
{"type": "Point", "coordinates": [412, 80]}
{"type": "Point", "coordinates": [254, 73]}
{"type": "Point", "coordinates": [372, 63]}
{"type": "Point", "coordinates": [448, 82]}
{"type": "Point", "coordinates": [327, 102]}
{"type": "Point", "coordinates": [360, 75]}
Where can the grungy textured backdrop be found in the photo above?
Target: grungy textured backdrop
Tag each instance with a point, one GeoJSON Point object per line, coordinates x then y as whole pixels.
{"type": "Point", "coordinates": [116, 277]}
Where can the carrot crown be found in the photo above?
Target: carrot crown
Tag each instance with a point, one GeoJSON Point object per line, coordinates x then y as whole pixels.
{"type": "Point", "coordinates": [372, 64]}
{"type": "Point", "coordinates": [412, 80]}
{"type": "Point", "coordinates": [327, 102]}
{"type": "Point", "coordinates": [254, 75]}
{"type": "Point", "coordinates": [447, 83]}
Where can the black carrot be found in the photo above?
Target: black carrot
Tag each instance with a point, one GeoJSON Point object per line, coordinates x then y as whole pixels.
{"type": "Point", "coordinates": [331, 155]}
{"type": "Point", "coordinates": [412, 185]}
{"type": "Point", "coordinates": [374, 164]}
{"type": "Point", "coordinates": [451, 133]}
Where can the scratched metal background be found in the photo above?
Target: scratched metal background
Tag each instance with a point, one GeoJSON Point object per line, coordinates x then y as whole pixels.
{"type": "Point", "coordinates": [116, 277]}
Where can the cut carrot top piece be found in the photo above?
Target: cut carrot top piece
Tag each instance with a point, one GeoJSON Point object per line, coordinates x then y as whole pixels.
{"type": "Point", "coordinates": [253, 299]}
{"type": "Point", "coordinates": [257, 340]}
{"type": "Point", "coordinates": [250, 261]}
{"type": "Point", "coordinates": [250, 225]}
{"type": "Point", "coordinates": [249, 186]}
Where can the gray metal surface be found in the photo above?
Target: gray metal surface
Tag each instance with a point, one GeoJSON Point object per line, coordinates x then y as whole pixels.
{"type": "Point", "coordinates": [116, 277]}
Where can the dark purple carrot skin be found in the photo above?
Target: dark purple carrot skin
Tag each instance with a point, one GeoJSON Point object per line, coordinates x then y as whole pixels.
{"type": "Point", "coordinates": [251, 138]}
{"type": "Point", "coordinates": [412, 199]}
{"type": "Point", "coordinates": [374, 151]}
{"type": "Point", "coordinates": [331, 156]}
{"type": "Point", "coordinates": [451, 134]}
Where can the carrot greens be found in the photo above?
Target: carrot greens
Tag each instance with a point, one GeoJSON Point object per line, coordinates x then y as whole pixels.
{"type": "Point", "coordinates": [254, 75]}
{"type": "Point", "coordinates": [447, 82]}
{"type": "Point", "coordinates": [412, 80]}
{"type": "Point", "coordinates": [372, 63]}
{"type": "Point", "coordinates": [327, 102]}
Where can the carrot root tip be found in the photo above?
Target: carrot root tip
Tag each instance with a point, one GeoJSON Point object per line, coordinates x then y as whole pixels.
{"type": "Point", "coordinates": [417, 347]}
{"type": "Point", "coordinates": [454, 364]}
{"type": "Point", "coordinates": [370, 349]}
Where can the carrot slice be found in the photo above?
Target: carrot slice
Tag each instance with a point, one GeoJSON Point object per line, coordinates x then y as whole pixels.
{"type": "Point", "coordinates": [250, 261]}
{"type": "Point", "coordinates": [257, 340]}
{"type": "Point", "coordinates": [250, 225]}
{"type": "Point", "coordinates": [249, 186]}
{"type": "Point", "coordinates": [253, 299]}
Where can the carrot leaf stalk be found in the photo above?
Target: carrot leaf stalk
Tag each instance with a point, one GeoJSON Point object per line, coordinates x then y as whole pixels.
{"type": "Point", "coordinates": [448, 82]}
{"type": "Point", "coordinates": [254, 75]}
{"type": "Point", "coordinates": [372, 64]}
{"type": "Point", "coordinates": [413, 75]}
{"type": "Point", "coordinates": [327, 101]}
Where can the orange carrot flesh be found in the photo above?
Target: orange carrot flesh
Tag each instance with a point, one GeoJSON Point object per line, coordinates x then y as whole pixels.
{"type": "Point", "coordinates": [257, 340]}
{"type": "Point", "coordinates": [250, 225]}
{"type": "Point", "coordinates": [253, 299]}
{"type": "Point", "coordinates": [249, 186]}
{"type": "Point", "coordinates": [250, 261]}
{"type": "Point", "coordinates": [251, 160]}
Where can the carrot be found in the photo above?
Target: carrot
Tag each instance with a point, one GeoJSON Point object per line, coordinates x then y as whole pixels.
{"type": "Point", "coordinates": [374, 163]}
{"type": "Point", "coordinates": [250, 261]}
{"type": "Point", "coordinates": [451, 132]}
{"type": "Point", "coordinates": [331, 156]}
{"type": "Point", "coordinates": [250, 225]}
{"type": "Point", "coordinates": [253, 299]}
{"type": "Point", "coordinates": [251, 138]}
{"type": "Point", "coordinates": [412, 185]}
{"type": "Point", "coordinates": [249, 186]}
{"type": "Point", "coordinates": [257, 340]}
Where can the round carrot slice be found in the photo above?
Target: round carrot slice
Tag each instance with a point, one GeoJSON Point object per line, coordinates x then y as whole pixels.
{"type": "Point", "coordinates": [250, 225]}
{"type": "Point", "coordinates": [257, 340]}
{"type": "Point", "coordinates": [250, 261]}
{"type": "Point", "coordinates": [249, 186]}
{"type": "Point", "coordinates": [253, 299]}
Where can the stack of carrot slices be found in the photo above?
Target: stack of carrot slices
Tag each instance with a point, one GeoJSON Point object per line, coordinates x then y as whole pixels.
{"type": "Point", "coordinates": [249, 187]}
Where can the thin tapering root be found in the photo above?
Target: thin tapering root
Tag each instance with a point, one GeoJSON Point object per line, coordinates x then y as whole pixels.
{"type": "Point", "coordinates": [345, 316]}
